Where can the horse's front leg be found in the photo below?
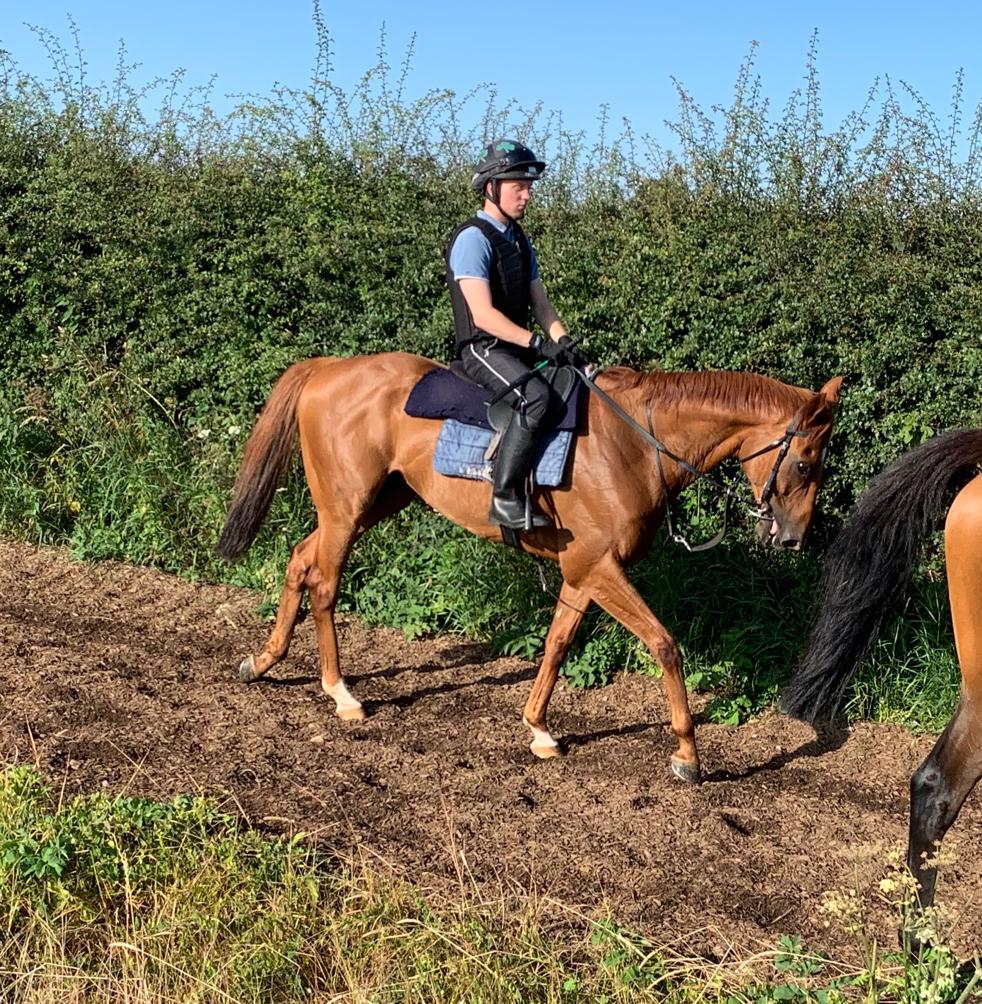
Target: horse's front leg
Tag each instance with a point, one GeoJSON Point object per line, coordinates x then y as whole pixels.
{"type": "Point", "coordinates": [608, 585]}
{"type": "Point", "coordinates": [566, 618]}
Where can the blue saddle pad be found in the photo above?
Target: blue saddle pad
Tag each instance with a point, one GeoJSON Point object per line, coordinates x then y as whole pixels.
{"type": "Point", "coordinates": [466, 433]}
{"type": "Point", "coordinates": [460, 451]}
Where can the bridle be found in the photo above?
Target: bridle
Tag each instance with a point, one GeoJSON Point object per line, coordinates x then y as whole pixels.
{"type": "Point", "coordinates": [761, 508]}
{"type": "Point", "coordinates": [782, 446]}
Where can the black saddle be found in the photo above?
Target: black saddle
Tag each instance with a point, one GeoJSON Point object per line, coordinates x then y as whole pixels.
{"type": "Point", "coordinates": [448, 393]}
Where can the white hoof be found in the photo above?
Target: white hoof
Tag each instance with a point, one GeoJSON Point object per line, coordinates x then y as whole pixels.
{"type": "Point", "coordinates": [543, 745]}
{"type": "Point", "coordinates": [346, 706]}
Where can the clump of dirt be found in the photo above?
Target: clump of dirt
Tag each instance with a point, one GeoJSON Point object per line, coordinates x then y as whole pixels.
{"type": "Point", "coordinates": [125, 679]}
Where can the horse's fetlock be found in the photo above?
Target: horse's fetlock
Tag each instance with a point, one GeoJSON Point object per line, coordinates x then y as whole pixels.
{"type": "Point", "coordinates": [926, 781]}
{"type": "Point", "coordinates": [684, 729]}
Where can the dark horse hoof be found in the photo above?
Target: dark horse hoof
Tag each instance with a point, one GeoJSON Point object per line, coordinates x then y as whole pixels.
{"type": "Point", "coordinates": [247, 669]}
{"type": "Point", "coordinates": [688, 772]}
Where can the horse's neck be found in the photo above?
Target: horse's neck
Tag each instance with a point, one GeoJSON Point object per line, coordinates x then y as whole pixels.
{"type": "Point", "coordinates": [700, 429]}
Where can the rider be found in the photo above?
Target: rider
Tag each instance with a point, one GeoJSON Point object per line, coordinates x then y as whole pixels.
{"type": "Point", "coordinates": [494, 282]}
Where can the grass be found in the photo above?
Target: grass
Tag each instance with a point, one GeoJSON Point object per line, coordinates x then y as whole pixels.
{"type": "Point", "coordinates": [123, 899]}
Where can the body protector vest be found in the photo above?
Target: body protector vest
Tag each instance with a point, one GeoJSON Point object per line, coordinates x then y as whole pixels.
{"type": "Point", "coordinates": [510, 279]}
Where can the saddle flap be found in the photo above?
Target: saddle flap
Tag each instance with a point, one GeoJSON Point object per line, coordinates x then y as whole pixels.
{"type": "Point", "coordinates": [500, 415]}
{"type": "Point", "coordinates": [441, 393]}
{"type": "Point", "coordinates": [564, 382]}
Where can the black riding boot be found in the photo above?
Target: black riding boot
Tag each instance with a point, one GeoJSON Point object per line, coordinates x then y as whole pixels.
{"type": "Point", "coordinates": [512, 463]}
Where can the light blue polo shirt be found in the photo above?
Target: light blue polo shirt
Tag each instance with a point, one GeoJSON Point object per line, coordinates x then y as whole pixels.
{"type": "Point", "coordinates": [470, 256]}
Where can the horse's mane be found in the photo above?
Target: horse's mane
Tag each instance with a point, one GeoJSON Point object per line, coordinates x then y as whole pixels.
{"type": "Point", "coordinates": [724, 389]}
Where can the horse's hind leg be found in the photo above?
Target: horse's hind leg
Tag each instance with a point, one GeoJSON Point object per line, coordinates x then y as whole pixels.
{"type": "Point", "coordinates": [278, 644]}
{"type": "Point", "coordinates": [566, 619]}
{"type": "Point", "coordinates": [942, 783]}
{"type": "Point", "coordinates": [334, 539]}
{"type": "Point", "coordinates": [323, 580]}
{"type": "Point", "coordinates": [938, 789]}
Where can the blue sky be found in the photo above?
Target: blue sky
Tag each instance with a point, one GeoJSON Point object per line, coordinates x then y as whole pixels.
{"type": "Point", "coordinates": [574, 57]}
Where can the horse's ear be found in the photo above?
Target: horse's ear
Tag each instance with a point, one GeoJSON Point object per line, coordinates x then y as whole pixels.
{"type": "Point", "coordinates": [831, 390]}
{"type": "Point", "coordinates": [820, 408]}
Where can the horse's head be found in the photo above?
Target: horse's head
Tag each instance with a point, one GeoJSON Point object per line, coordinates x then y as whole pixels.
{"type": "Point", "coordinates": [784, 467]}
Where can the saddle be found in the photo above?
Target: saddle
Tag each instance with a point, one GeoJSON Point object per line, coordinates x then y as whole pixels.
{"type": "Point", "coordinates": [471, 428]}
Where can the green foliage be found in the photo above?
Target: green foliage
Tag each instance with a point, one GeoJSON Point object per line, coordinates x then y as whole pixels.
{"type": "Point", "coordinates": [156, 276]}
{"type": "Point", "coordinates": [111, 896]}
{"type": "Point", "coordinates": [799, 970]}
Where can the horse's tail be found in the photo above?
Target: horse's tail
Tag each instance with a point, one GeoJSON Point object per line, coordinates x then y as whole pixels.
{"type": "Point", "coordinates": [267, 454]}
{"type": "Point", "coordinates": [869, 564]}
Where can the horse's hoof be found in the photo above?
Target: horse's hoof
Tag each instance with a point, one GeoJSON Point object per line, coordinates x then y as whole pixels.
{"type": "Point", "coordinates": [351, 714]}
{"type": "Point", "coordinates": [247, 669]}
{"type": "Point", "coordinates": [543, 746]}
{"type": "Point", "coordinates": [688, 772]}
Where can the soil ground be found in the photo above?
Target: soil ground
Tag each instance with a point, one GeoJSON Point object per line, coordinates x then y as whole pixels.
{"type": "Point", "coordinates": [124, 679]}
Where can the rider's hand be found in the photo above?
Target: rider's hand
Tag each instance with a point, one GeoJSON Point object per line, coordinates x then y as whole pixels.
{"type": "Point", "coordinates": [573, 355]}
{"type": "Point", "coordinates": [562, 352]}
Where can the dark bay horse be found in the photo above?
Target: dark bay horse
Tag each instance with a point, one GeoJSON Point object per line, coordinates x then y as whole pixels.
{"type": "Point", "coordinates": [866, 571]}
{"type": "Point", "coordinates": [365, 459]}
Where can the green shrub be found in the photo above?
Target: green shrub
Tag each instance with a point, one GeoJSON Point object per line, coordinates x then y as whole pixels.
{"type": "Point", "coordinates": [156, 276]}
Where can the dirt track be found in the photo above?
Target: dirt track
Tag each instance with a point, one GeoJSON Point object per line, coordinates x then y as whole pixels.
{"type": "Point", "coordinates": [124, 678]}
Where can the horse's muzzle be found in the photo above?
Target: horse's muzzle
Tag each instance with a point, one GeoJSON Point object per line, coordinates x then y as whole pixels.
{"type": "Point", "coordinates": [772, 534]}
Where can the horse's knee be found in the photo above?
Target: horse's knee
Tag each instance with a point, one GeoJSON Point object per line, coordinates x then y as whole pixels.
{"type": "Point", "coordinates": [561, 636]}
{"type": "Point", "coordinates": [323, 593]}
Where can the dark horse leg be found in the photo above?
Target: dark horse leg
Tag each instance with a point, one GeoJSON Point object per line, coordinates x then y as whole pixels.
{"type": "Point", "coordinates": [938, 789]}
{"type": "Point", "coordinates": [566, 619]}
{"type": "Point", "coordinates": [608, 585]}
{"type": "Point", "coordinates": [943, 782]}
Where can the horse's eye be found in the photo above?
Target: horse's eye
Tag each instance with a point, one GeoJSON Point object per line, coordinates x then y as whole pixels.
{"type": "Point", "coordinates": [804, 468]}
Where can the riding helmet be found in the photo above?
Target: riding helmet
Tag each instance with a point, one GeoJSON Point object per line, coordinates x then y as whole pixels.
{"type": "Point", "coordinates": [507, 159]}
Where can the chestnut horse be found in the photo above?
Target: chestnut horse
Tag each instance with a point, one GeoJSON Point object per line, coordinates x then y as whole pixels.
{"type": "Point", "coordinates": [365, 459]}
{"type": "Point", "coordinates": [866, 571]}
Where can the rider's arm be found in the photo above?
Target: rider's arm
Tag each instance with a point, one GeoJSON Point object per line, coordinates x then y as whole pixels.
{"type": "Point", "coordinates": [545, 312]}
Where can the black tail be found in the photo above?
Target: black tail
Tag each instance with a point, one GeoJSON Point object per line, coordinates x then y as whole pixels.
{"type": "Point", "coordinates": [869, 564]}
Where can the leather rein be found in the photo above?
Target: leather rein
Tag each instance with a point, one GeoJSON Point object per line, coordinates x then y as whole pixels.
{"type": "Point", "coordinates": [761, 509]}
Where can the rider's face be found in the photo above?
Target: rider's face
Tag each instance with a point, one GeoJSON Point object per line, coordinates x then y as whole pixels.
{"type": "Point", "coordinates": [513, 196]}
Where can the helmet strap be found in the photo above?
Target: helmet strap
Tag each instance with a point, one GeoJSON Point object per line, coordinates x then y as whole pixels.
{"type": "Point", "coordinates": [495, 196]}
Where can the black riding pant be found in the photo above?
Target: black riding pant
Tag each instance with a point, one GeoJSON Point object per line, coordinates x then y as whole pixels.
{"type": "Point", "coordinates": [495, 364]}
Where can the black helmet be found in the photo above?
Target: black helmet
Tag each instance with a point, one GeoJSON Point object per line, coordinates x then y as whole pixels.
{"type": "Point", "coordinates": [507, 159]}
